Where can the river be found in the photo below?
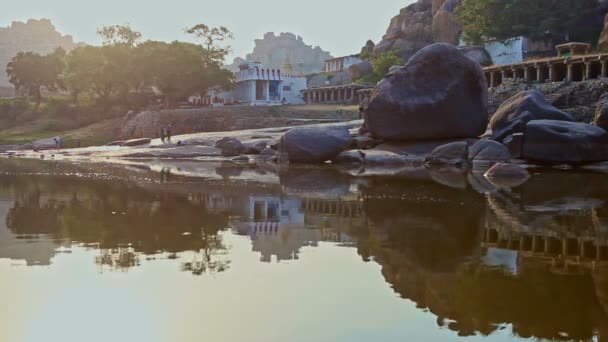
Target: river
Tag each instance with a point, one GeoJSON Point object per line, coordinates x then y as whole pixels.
{"type": "Point", "coordinates": [98, 252]}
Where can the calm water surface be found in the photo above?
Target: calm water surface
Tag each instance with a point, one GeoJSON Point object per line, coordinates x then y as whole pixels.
{"type": "Point", "coordinates": [104, 253]}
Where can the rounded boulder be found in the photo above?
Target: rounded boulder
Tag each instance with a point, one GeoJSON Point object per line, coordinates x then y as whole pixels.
{"type": "Point", "coordinates": [440, 93]}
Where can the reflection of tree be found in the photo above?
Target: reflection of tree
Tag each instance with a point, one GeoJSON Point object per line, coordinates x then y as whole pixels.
{"type": "Point", "coordinates": [111, 215]}
{"type": "Point", "coordinates": [118, 258]}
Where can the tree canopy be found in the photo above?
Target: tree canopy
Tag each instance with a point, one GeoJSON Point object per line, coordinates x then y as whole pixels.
{"type": "Point", "coordinates": [483, 20]}
{"type": "Point", "coordinates": [381, 66]}
{"type": "Point", "coordinates": [123, 65]}
{"type": "Point", "coordinates": [30, 72]}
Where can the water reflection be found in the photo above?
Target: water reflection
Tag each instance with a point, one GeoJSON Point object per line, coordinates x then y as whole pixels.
{"type": "Point", "coordinates": [533, 258]}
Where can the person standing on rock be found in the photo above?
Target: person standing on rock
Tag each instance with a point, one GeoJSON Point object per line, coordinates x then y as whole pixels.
{"type": "Point", "coordinates": [168, 131]}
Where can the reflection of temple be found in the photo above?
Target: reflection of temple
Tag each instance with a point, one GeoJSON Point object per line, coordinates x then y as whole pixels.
{"type": "Point", "coordinates": [280, 226]}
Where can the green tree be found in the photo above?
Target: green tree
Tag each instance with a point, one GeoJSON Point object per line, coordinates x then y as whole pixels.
{"type": "Point", "coordinates": [102, 71]}
{"type": "Point", "coordinates": [483, 20]}
{"type": "Point", "coordinates": [381, 66]}
{"type": "Point", "coordinates": [211, 38]}
{"type": "Point", "coordinates": [175, 69]}
{"type": "Point", "coordinates": [31, 72]}
{"type": "Point", "coordinates": [119, 35]}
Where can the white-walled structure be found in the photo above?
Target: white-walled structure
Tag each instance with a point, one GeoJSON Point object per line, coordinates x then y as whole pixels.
{"type": "Point", "coordinates": [257, 86]}
{"type": "Point", "coordinates": [340, 63]}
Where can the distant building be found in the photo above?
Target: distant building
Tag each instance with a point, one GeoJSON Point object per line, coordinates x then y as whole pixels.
{"type": "Point", "coordinates": [518, 49]}
{"type": "Point", "coordinates": [258, 86]}
{"type": "Point", "coordinates": [340, 63]}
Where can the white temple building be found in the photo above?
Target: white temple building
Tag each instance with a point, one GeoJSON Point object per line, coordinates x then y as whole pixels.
{"type": "Point", "coordinates": [258, 86]}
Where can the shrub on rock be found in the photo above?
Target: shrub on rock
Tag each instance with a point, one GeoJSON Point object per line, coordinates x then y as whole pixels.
{"type": "Point", "coordinates": [513, 115]}
{"type": "Point", "coordinates": [440, 93]}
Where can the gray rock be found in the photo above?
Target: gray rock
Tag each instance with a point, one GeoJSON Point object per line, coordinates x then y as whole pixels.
{"type": "Point", "coordinates": [601, 112]}
{"type": "Point", "coordinates": [137, 142]}
{"type": "Point", "coordinates": [116, 143]}
{"type": "Point", "coordinates": [313, 144]}
{"type": "Point", "coordinates": [240, 159]}
{"type": "Point", "coordinates": [515, 145]}
{"type": "Point", "coordinates": [488, 151]}
{"type": "Point", "coordinates": [230, 147]}
{"type": "Point", "coordinates": [439, 94]}
{"type": "Point", "coordinates": [350, 157]}
{"type": "Point", "coordinates": [254, 147]}
{"type": "Point", "coordinates": [450, 154]}
{"type": "Point", "coordinates": [562, 142]}
{"type": "Point", "coordinates": [513, 115]}
{"type": "Point", "coordinates": [268, 152]}
{"type": "Point", "coordinates": [183, 152]}
{"type": "Point", "coordinates": [376, 157]}
{"type": "Point", "coordinates": [46, 144]}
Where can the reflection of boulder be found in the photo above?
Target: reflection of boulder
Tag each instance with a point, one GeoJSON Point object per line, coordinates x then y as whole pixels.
{"type": "Point", "coordinates": [314, 182]}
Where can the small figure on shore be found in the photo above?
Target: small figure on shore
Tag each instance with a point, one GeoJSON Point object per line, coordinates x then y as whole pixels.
{"type": "Point", "coordinates": [162, 134]}
{"type": "Point", "coordinates": [57, 142]}
{"type": "Point", "coordinates": [168, 131]}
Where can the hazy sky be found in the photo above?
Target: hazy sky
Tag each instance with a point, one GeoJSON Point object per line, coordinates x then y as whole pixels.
{"type": "Point", "coordinates": [338, 26]}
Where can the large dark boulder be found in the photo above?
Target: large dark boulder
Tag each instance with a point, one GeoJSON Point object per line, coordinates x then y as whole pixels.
{"type": "Point", "coordinates": [553, 141]}
{"type": "Point", "coordinates": [313, 144]}
{"type": "Point", "coordinates": [477, 53]}
{"type": "Point", "coordinates": [513, 115]}
{"type": "Point", "coordinates": [439, 94]}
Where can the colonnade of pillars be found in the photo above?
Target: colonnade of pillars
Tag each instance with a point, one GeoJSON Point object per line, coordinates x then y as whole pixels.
{"type": "Point", "coordinates": [556, 71]}
{"type": "Point", "coordinates": [331, 95]}
{"type": "Point", "coordinates": [543, 245]}
{"type": "Point", "coordinates": [337, 208]}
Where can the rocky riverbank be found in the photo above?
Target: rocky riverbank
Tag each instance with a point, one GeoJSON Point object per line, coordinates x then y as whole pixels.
{"type": "Point", "coordinates": [429, 118]}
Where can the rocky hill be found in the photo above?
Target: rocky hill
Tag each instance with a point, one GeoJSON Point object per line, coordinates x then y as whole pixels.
{"type": "Point", "coordinates": [421, 24]}
{"type": "Point", "coordinates": [39, 36]}
{"type": "Point", "coordinates": [273, 50]}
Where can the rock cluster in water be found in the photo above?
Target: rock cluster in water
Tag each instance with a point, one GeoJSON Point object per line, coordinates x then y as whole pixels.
{"type": "Point", "coordinates": [434, 111]}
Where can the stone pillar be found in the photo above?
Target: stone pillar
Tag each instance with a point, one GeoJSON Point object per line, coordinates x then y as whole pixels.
{"type": "Point", "coordinates": [503, 74]}
{"type": "Point", "coordinates": [604, 68]}
{"type": "Point", "coordinates": [331, 95]}
{"type": "Point", "coordinates": [587, 71]}
{"type": "Point", "coordinates": [569, 75]}
{"type": "Point", "coordinates": [267, 91]}
{"type": "Point", "coordinates": [492, 79]}
{"type": "Point", "coordinates": [352, 94]}
{"type": "Point", "coordinates": [539, 73]}
{"type": "Point", "coordinates": [514, 73]}
{"type": "Point", "coordinates": [552, 74]}
{"type": "Point", "coordinates": [309, 97]}
{"type": "Point", "coordinates": [527, 74]}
